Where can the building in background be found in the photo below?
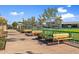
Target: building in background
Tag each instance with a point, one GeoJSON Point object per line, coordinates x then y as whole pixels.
{"type": "Point", "coordinates": [70, 25]}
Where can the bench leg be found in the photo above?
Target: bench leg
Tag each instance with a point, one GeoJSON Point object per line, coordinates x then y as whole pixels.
{"type": "Point", "coordinates": [58, 41]}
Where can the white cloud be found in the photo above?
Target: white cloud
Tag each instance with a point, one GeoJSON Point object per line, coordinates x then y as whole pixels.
{"type": "Point", "coordinates": [21, 13]}
{"type": "Point", "coordinates": [62, 10]}
{"type": "Point", "coordinates": [14, 13]}
{"type": "Point", "coordinates": [67, 15]}
{"type": "Point", "coordinates": [69, 6]}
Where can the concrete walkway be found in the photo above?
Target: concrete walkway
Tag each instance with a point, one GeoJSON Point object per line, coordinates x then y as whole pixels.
{"type": "Point", "coordinates": [18, 43]}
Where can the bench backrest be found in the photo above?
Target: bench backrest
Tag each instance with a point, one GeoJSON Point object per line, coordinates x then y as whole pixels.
{"type": "Point", "coordinates": [36, 31]}
{"type": "Point", "coordinates": [61, 35]}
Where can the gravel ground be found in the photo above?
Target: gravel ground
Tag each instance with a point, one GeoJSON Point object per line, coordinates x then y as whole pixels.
{"type": "Point", "coordinates": [18, 43]}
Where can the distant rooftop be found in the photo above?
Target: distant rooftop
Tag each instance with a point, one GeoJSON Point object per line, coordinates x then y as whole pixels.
{"type": "Point", "coordinates": [76, 22]}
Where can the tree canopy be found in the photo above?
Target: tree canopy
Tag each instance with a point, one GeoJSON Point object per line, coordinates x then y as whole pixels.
{"type": "Point", "coordinates": [14, 25]}
{"type": "Point", "coordinates": [50, 12]}
{"type": "Point", "coordinates": [3, 20]}
{"type": "Point", "coordinates": [47, 15]}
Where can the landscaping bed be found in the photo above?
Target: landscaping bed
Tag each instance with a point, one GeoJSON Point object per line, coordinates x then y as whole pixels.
{"type": "Point", "coordinates": [47, 34]}
{"type": "Point", "coordinates": [3, 35]}
{"type": "Point", "coordinates": [2, 43]}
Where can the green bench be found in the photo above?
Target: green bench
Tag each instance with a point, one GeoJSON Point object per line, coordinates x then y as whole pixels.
{"type": "Point", "coordinates": [50, 34]}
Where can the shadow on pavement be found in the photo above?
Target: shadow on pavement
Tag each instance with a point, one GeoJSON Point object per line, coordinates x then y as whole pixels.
{"type": "Point", "coordinates": [30, 52]}
{"type": "Point", "coordinates": [22, 39]}
{"type": "Point", "coordinates": [11, 40]}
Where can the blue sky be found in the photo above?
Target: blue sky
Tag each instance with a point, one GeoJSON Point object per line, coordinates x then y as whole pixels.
{"type": "Point", "coordinates": [17, 12]}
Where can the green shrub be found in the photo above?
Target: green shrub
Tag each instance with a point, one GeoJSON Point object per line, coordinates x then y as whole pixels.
{"type": "Point", "coordinates": [2, 43]}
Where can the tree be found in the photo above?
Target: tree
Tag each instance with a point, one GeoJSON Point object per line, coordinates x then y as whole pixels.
{"type": "Point", "coordinates": [24, 23]}
{"type": "Point", "coordinates": [14, 25]}
{"type": "Point", "coordinates": [33, 21]}
{"type": "Point", "coordinates": [58, 21]}
{"type": "Point", "coordinates": [50, 12]}
{"type": "Point", "coordinates": [53, 13]}
{"type": "Point", "coordinates": [3, 21]}
{"type": "Point", "coordinates": [41, 19]}
{"type": "Point", "coordinates": [47, 15]}
{"type": "Point", "coordinates": [29, 23]}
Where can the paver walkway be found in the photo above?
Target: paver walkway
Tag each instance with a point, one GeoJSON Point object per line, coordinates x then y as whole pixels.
{"type": "Point", "coordinates": [18, 43]}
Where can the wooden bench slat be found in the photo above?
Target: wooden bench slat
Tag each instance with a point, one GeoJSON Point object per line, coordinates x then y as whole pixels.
{"type": "Point", "coordinates": [61, 36]}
